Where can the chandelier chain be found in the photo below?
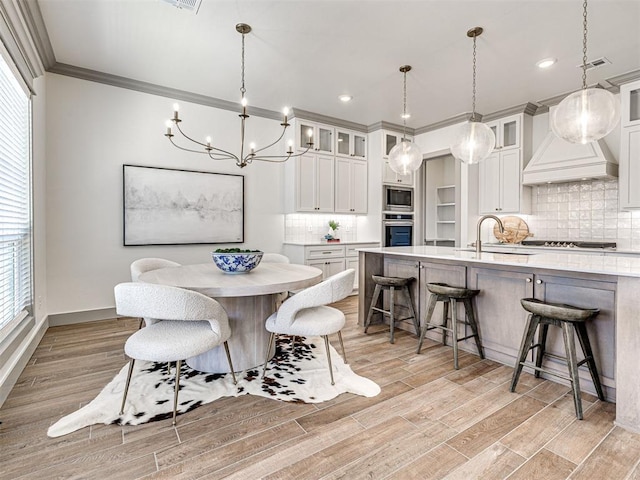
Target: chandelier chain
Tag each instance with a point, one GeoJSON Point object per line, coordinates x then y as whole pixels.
{"type": "Point", "coordinates": [584, 45]}
{"type": "Point", "coordinates": [242, 89]}
{"type": "Point", "coordinates": [473, 95]}
{"type": "Point", "coordinates": [404, 108]}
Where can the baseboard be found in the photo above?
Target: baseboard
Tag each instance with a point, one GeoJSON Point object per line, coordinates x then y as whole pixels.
{"type": "Point", "coordinates": [18, 359]}
{"type": "Point", "coordinates": [71, 318]}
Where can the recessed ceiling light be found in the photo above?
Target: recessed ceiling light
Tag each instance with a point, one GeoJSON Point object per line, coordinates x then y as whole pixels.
{"type": "Point", "coordinates": [345, 98]}
{"type": "Point", "coordinates": [546, 62]}
{"type": "Point", "coordinates": [405, 115]}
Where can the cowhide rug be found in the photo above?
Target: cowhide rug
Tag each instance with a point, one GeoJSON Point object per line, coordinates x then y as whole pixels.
{"type": "Point", "coordinates": [299, 376]}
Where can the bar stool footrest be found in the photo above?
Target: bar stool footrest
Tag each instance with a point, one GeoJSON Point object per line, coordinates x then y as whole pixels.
{"type": "Point", "coordinates": [544, 370]}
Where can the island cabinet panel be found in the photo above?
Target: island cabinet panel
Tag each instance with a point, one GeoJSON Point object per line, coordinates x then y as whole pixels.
{"type": "Point", "coordinates": [502, 318]}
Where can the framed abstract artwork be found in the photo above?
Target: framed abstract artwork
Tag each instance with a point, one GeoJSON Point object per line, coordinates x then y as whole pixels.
{"type": "Point", "coordinates": [164, 206]}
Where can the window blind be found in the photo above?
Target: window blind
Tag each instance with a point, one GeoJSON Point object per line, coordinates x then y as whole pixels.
{"type": "Point", "coordinates": [15, 198]}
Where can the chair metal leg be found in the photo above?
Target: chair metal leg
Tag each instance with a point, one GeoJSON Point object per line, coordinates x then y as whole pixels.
{"type": "Point", "coordinates": [527, 338]}
{"type": "Point", "coordinates": [471, 316]}
{"type": "Point", "coordinates": [141, 323]}
{"type": "Point", "coordinates": [233, 374]}
{"type": "Point", "coordinates": [572, 363]}
{"type": "Point", "coordinates": [175, 392]}
{"type": "Point", "coordinates": [344, 354]}
{"type": "Point", "coordinates": [326, 346]}
{"type": "Point", "coordinates": [433, 299]}
{"type": "Point", "coordinates": [126, 385]}
{"type": "Point", "coordinates": [269, 345]}
{"type": "Point", "coordinates": [454, 331]}
{"type": "Point", "coordinates": [374, 301]}
{"type": "Point", "coordinates": [583, 337]}
{"type": "Point", "coordinates": [445, 320]}
{"type": "Point", "coordinates": [392, 318]}
{"type": "Point", "coordinates": [542, 342]}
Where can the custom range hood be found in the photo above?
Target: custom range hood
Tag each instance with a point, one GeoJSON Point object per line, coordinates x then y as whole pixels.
{"type": "Point", "coordinates": [558, 161]}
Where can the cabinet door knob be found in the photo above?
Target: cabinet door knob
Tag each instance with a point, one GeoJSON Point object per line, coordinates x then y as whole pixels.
{"type": "Point", "coordinates": [538, 282]}
{"type": "Point", "coordinates": [528, 280]}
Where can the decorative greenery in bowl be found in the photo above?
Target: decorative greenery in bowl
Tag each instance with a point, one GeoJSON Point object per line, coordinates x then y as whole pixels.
{"type": "Point", "coordinates": [236, 260]}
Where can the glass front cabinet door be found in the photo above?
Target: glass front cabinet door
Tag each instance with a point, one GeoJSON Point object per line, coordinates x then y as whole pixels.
{"type": "Point", "coordinates": [321, 135]}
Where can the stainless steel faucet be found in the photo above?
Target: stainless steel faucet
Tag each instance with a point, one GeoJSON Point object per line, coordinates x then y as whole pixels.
{"type": "Point", "coordinates": [482, 219]}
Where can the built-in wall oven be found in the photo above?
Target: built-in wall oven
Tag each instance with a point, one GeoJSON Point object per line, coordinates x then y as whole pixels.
{"type": "Point", "coordinates": [398, 229]}
{"type": "Point", "coordinates": [397, 199]}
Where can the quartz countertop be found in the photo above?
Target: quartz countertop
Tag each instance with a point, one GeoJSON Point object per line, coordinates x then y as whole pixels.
{"type": "Point", "coordinates": [318, 243]}
{"type": "Point", "coordinates": [610, 264]}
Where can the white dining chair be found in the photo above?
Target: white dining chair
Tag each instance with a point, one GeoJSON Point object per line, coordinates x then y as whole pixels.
{"type": "Point", "coordinates": [275, 258]}
{"type": "Point", "coordinates": [192, 324]}
{"type": "Point", "coordinates": [143, 265]}
{"type": "Point", "coordinates": [307, 314]}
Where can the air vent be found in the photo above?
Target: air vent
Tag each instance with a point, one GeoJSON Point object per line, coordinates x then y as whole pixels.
{"type": "Point", "coordinates": [598, 62]}
{"type": "Point", "coordinates": [191, 5]}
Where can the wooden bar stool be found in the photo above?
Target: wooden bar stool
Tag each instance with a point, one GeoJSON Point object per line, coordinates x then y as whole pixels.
{"type": "Point", "coordinates": [570, 319]}
{"type": "Point", "coordinates": [441, 292]}
{"type": "Point", "coordinates": [393, 284]}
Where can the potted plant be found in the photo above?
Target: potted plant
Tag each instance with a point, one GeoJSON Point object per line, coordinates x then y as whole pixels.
{"type": "Point", "coordinates": [333, 227]}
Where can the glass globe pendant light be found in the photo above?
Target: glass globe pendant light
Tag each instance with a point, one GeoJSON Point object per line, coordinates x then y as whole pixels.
{"type": "Point", "coordinates": [588, 114]}
{"type": "Point", "coordinates": [473, 141]}
{"type": "Point", "coordinates": [406, 157]}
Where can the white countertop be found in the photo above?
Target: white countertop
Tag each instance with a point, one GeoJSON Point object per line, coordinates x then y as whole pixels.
{"type": "Point", "coordinates": [312, 244]}
{"type": "Point", "coordinates": [610, 264]}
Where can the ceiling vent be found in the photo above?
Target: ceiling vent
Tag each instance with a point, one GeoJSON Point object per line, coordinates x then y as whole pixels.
{"type": "Point", "coordinates": [191, 5]}
{"type": "Point", "coordinates": [598, 62]}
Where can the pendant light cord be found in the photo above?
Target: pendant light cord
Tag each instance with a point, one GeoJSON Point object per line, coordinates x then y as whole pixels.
{"type": "Point", "coordinates": [242, 89]}
{"type": "Point", "coordinates": [404, 109]}
{"type": "Point", "coordinates": [584, 45]}
{"type": "Point", "coordinates": [473, 96]}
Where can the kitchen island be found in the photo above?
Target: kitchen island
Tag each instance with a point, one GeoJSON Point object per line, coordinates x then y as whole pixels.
{"type": "Point", "coordinates": [608, 282]}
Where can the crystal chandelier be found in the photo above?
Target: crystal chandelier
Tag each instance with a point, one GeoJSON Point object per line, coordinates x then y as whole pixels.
{"type": "Point", "coordinates": [406, 157]}
{"type": "Point", "coordinates": [244, 158]}
{"type": "Point", "coordinates": [588, 114]}
{"type": "Point", "coordinates": [474, 141]}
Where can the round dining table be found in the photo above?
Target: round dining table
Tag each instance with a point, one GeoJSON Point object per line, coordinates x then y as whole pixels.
{"type": "Point", "coordinates": [248, 298]}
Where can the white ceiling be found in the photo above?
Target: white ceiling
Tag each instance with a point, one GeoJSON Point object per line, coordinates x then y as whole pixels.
{"type": "Point", "coordinates": [304, 53]}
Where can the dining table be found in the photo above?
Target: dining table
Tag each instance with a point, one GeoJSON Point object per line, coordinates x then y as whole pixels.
{"type": "Point", "coordinates": [248, 298]}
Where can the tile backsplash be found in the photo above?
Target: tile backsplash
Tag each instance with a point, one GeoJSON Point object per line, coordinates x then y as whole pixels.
{"type": "Point", "coordinates": [586, 210]}
{"type": "Point", "coordinates": [313, 227]}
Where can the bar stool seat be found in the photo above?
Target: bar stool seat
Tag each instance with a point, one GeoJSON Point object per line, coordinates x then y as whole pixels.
{"type": "Point", "coordinates": [450, 295]}
{"type": "Point", "coordinates": [571, 319]}
{"type": "Point", "coordinates": [392, 284]}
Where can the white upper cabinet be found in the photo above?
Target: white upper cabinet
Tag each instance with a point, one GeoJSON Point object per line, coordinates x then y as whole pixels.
{"type": "Point", "coordinates": [629, 168]}
{"type": "Point", "coordinates": [508, 132]}
{"type": "Point", "coordinates": [351, 144]}
{"type": "Point", "coordinates": [351, 186]}
{"type": "Point", "coordinates": [500, 188]}
{"type": "Point", "coordinates": [390, 140]}
{"type": "Point", "coordinates": [321, 135]}
{"type": "Point", "coordinates": [315, 183]}
{"type": "Point", "coordinates": [630, 98]}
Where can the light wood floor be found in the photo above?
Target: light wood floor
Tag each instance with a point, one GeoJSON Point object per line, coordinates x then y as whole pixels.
{"type": "Point", "coordinates": [429, 421]}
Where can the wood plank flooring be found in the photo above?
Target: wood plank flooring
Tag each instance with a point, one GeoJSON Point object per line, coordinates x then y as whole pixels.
{"type": "Point", "coordinates": [429, 422]}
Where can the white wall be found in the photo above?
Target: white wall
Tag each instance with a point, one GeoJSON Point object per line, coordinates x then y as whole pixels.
{"type": "Point", "coordinates": [92, 130]}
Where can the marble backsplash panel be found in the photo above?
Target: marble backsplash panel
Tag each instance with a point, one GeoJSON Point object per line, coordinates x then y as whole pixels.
{"type": "Point", "coordinates": [586, 210]}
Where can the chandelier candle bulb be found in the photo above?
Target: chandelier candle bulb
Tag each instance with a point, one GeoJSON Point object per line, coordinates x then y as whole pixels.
{"type": "Point", "coordinates": [168, 125]}
{"type": "Point", "coordinates": [176, 109]}
{"type": "Point", "coordinates": [285, 111]}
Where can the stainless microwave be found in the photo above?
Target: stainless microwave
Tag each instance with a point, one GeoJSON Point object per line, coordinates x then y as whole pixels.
{"type": "Point", "coordinates": [397, 199]}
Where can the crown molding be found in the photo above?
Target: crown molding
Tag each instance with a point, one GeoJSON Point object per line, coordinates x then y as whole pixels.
{"type": "Point", "coordinates": [463, 117]}
{"type": "Point", "coordinates": [631, 76]}
{"type": "Point", "coordinates": [159, 90]}
{"type": "Point", "coordinates": [526, 108]}
{"type": "Point", "coordinates": [383, 125]}
{"type": "Point", "coordinates": [17, 38]}
{"type": "Point", "coordinates": [337, 122]}
{"type": "Point", "coordinates": [38, 31]}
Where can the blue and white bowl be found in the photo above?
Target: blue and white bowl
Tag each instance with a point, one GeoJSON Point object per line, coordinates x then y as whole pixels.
{"type": "Point", "coordinates": [236, 262]}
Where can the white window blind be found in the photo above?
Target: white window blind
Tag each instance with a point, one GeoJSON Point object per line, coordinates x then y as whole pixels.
{"type": "Point", "coordinates": [15, 198]}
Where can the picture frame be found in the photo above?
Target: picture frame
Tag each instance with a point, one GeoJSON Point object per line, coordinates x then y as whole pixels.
{"type": "Point", "coordinates": [164, 206]}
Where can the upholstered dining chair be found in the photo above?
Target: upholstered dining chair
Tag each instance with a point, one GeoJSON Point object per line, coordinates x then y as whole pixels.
{"type": "Point", "coordinates": [192, 323]}
{"type": "Point", "coordinates": [143, 265]}
{"type": "Point", "coordinates": [307, 314]}
{"type": "Point", "coordinates": [275, 258]}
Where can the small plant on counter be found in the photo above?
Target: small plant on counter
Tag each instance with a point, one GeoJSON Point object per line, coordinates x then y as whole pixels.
{"type": "Point", "coordinates": [333, 225]}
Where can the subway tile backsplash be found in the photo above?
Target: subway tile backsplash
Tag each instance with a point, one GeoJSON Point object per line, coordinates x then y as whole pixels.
{"type": "Point", "coordinates": [311, 228]}
{"type": "Point", "coordinates": [586, 210]}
